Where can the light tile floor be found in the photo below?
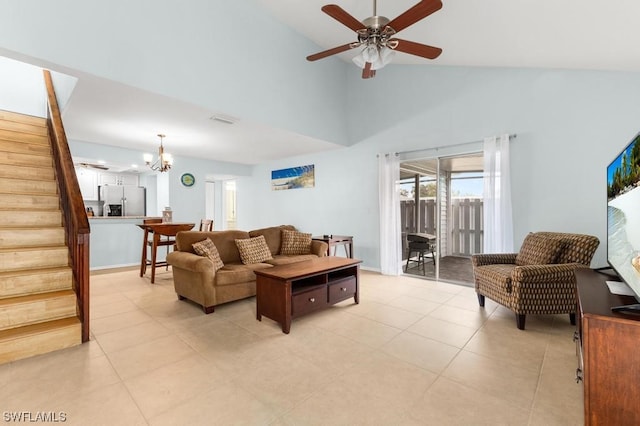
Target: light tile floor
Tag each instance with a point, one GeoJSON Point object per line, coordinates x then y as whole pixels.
{"type": "Point", "coordinates": [413, 352]}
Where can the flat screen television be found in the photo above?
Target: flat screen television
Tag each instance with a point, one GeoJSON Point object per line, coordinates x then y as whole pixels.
{"type": "Point", "coordinates": [623, 218]}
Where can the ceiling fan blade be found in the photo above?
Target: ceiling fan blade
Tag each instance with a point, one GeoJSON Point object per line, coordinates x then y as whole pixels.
{"type": "Point", "coordinates": [342, 16]}
{"type": "Point", "coordinates": [367, 72]}
{"type": "Point", "coordinates": [417, 49]}
{"type": "Point", "coordinates": [330, 52]}
{"type": "Point", "coordinates": [414, 14]}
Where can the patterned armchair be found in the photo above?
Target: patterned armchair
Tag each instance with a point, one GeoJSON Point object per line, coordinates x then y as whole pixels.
{"type": "Point", "coordinates": [539, 279]}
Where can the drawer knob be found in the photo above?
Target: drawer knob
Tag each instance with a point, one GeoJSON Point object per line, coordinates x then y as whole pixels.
{"type": "Point", "coordinates": [343, 288]}
{"type": "Point", "coordinates": [313, 299]}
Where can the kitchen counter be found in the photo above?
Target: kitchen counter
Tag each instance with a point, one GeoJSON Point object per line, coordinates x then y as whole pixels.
{"type": "Point", "coordinates": [115, 241]}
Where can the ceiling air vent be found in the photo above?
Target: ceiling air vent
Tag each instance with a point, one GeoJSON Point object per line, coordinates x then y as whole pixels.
{"type": "Point", "coordinates": [222, 119]}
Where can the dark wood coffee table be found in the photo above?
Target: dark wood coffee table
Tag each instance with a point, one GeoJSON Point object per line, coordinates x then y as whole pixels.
{"type": "Point", "coordinates": [288, 291]}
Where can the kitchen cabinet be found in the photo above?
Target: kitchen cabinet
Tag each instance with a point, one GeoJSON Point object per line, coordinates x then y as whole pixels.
{"type": "Point", "coordinates": [107, 178]}
{"type": "Point", "coordinates": [88, 182]}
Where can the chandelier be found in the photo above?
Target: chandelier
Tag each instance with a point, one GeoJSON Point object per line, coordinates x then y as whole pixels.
{"type": "Point", "coordinates": [164, 161]}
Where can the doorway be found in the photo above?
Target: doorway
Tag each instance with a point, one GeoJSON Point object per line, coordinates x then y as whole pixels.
{"type": "Point", "coordinates": [441, 216]}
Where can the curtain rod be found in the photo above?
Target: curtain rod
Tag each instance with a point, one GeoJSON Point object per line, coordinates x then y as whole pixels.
{"type": "Point", "coordinates": [512, 136]}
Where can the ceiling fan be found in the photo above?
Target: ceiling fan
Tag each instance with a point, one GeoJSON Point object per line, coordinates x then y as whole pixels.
{"type": "Point", "coordinates": [93, 166]}
{"type": "Point", "coordinates": [376, 35]}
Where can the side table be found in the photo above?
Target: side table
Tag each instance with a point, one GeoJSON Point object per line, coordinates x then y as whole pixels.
{"type": "Point", "coordinates": [335, 241]}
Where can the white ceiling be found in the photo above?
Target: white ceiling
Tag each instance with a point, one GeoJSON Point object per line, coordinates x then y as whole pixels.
{"type": "Point", "coordinates": [131, 118]}
{"type": "Point", "coordinates": [571, 34]}
{"type": "Point", "coordinates": [568, 34]}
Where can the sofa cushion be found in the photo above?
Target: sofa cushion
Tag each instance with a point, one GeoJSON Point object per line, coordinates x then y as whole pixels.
{"type": "Point", "coordinates": [497, 274]}
{"type": "Point", "coordinates": [273, 236]}
{"type": "Point", "coordinates": [538, 250]}
{"type": "Point", "coordinates": [294, 242]}
{"type": "Point", "coordinates": [253, 250]}
{"type": "Point", "coordinates": [206, 248]}
{"type": "Point", "coordinates": [224, 241]}
{"type": "Point", "coordinates": [236, 273]}
{"type": "Point", "coordinates": [280, 259]}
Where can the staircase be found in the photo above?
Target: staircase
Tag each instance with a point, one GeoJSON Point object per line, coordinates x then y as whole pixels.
{"type": "Point", "coordinates": [38, 306]}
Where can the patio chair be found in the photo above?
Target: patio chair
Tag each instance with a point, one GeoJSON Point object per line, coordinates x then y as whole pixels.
{"type": "Point", "coordinates": [422, 245]}
{"type": "Point", "coordinates": [539, 279]}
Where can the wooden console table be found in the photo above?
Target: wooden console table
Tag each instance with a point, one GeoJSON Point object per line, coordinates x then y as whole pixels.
{"type": "Point", "coordinates": [335, 241]}
{"type": "Point", "coordinates": [608, 355]}
{"type": "Point", "coordinates": [289, 291]}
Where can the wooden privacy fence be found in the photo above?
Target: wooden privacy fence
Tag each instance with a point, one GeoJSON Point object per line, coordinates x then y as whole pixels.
{"type": "Point", "coordinates": [464, 217]}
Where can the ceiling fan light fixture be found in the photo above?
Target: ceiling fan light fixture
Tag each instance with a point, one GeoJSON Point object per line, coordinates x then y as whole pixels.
{"type": "Point", "coordinates": [381, 58]}
{"type": "Point", "coordinates": [371, 54]}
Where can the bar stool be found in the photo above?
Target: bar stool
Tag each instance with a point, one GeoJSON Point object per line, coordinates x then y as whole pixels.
{"type": "Point", "coordinates": [167, 241]}
{"type": "Point", "coordinates": [206, 225]}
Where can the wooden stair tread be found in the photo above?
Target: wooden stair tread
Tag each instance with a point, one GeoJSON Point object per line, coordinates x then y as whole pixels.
{"type": "Point", "coordinates": [36, 280]}
{"type": "Point", "coordinates": [26, 249]}
{"type": "Point", "coordinates": [13, 135]}
{"type": "Point", "coordinates": [40, 328]}
{"type": "Point", "coordinates": [32, 271]}
{"type": "Point", "coordinates": [18, 147]}
{"type": "Point", "coordinates": [22, 118]}
{"type": "Point", "coordinates": [36, 297]}
{"type": "Point", "coordinates": [29, 298]}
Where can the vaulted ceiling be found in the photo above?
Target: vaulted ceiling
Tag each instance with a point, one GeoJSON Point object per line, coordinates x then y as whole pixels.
{"type": "Point", "coordinates": [565, 34]}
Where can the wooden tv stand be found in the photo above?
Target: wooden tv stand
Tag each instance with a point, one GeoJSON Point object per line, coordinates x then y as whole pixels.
{"type": "Point", "coordinates": [608, 347]}
{"type": "Point", "coordinates": [289, 291]}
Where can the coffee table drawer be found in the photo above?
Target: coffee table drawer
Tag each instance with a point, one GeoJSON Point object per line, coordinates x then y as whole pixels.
{"type": "Point", "coordinates": [342, 289]}
{"type": "Point", "coordinates": [308, 301]}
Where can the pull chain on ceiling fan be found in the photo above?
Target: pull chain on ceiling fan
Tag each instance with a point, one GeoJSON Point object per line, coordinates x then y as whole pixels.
{"type": "Point", "coordinates": [376, 36]}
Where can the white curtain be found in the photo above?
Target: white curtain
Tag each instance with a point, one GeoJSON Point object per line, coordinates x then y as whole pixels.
{"type": "Point", "coordinates": [498, 222]}
{"type": "Point", "coordinates": [389, 204]}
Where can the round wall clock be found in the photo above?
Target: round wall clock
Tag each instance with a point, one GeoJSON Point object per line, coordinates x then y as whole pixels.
{"type": "Point", "coordinates": [187, 179]}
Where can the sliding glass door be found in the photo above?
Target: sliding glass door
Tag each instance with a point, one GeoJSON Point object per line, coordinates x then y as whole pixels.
{"type": "Point", "coordinates": [441, 215]}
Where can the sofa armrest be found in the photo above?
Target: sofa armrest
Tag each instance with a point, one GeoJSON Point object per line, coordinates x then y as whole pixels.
{"type": "Point", "coordinates": [491, 259]}
{"type": "Point", "coordinates": [319, 248]}
{"type": "Point", "coordinates": [549, 273]}
{"type": "Point", "coordinates": [189, 261]}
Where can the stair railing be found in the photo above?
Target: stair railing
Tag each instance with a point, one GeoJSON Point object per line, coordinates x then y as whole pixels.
{"type": "Point", "coordinates": [74, 216]}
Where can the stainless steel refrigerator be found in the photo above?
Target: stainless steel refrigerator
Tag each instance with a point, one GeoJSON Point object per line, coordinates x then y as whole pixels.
{"type": "Point", "coordinates": [123, 200]}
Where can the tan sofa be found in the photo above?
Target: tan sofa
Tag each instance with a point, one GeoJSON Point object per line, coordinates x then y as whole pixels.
{"type": "Point", "coordinates": [194, 276]}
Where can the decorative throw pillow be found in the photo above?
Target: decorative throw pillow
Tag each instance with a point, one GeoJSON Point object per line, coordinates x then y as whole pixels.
{"type": "Point", "coordinates": [294, 242]}
{"type": "Point", "coordinates": [206, 248]}
{"type": "Point", "coordinates": [537, 250]}
{"type": "Point", "coordinates": [253, 250]}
